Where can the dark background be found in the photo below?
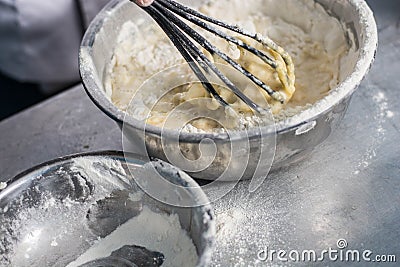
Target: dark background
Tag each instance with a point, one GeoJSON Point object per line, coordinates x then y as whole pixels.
{"type": "Point", "coordinates": [15, 96]}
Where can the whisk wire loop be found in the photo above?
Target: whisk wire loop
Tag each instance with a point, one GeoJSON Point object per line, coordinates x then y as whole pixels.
{"type": "Point", "coordinates": [189, 53]}
{"type": "Point", "coordinates": [166, 12]}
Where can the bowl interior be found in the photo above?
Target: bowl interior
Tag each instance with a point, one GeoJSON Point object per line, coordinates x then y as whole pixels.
{"type": "Point", "coordinates": [100, 40]}
{"type": "Point", "coordinates": [51, 215]}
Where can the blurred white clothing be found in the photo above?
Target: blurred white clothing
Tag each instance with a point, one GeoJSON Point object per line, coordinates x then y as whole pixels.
{"type": "Point", "coordinates": [39, 39]}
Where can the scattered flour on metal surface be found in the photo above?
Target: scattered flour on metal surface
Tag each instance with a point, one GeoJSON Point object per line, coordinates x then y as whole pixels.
{"type": "Point", "coordinates": [380, 113]}
{"type": "Point", "coordinates": [243, 226]}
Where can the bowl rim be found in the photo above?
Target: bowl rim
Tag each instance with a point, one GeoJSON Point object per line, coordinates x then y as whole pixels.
{"type": "Point", "coordinates": [367, 53]}
{"type": "Point", "coordinates": [133, 158]}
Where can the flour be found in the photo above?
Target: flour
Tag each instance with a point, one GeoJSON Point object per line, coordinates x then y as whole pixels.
{"type": "Point", "coordinates": [36, 229]}
{"type": "Point", "coordinates": [103, 170]}
{"type": "Point", "coordinates": [55, 228]}
{"type": "Point", "coordinates": [3, 185]}
{"type": "Point", "coordinates": [155, 231]}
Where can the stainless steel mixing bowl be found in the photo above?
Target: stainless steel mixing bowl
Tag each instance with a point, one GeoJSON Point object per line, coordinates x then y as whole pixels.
{"type": "Point", "coordinates": [53, 213]}
{"type": "Point", "coordinates": [296, 137]}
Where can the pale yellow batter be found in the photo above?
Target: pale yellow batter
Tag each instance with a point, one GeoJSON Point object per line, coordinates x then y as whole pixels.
{"type": "Point", "coordinates": [315, 41]}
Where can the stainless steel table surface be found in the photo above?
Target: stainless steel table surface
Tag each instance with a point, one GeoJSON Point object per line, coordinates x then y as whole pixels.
{"type": "Point", "coordinates": [348, 189]}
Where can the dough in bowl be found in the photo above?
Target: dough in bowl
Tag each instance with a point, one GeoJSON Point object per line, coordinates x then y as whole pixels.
{"type": "Point", "coordinates": [316, 41]}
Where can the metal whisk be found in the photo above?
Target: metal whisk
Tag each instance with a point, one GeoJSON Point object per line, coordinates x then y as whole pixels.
{"type": "Point", "coordinates": [167, 12]}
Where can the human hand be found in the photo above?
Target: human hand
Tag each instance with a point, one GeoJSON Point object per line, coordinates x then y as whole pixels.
{"type": "Point", "coordinates": [143, 3]}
